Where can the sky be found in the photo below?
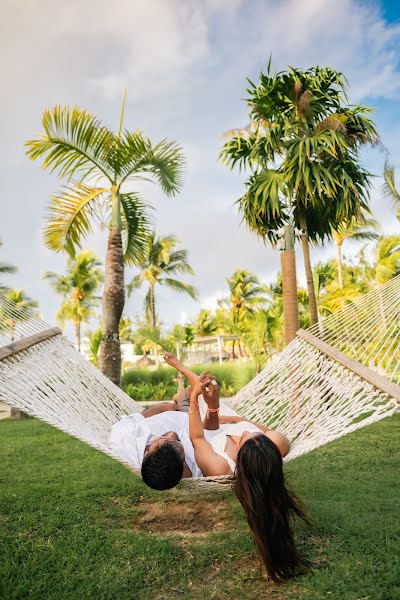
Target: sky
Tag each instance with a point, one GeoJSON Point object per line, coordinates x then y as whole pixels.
{"type": "Point", "coordinates": [184, 64]}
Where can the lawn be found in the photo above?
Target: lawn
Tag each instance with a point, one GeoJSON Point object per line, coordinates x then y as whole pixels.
{"type": "Point", "coordinates": [75, 524]}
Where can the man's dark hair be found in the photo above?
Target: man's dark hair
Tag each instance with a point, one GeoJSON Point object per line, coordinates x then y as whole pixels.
{"type": "Point", "coordinates": [163, 468]}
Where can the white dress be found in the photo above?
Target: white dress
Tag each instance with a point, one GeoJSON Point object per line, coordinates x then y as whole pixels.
{"type": "Point", "coordinates": [218, 438]}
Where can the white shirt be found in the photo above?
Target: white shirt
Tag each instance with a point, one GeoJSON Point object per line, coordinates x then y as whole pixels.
{"type": "Point", "coordinates": [130, 436]}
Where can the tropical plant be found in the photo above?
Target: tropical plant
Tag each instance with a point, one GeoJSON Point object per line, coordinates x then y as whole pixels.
{"type": "Point", "coordinates": [159, 266]}
{"type": "Point", "coordinates": [98, 165]}
{"type": "Point", "coordinates": [94, 341]}
{"type": "Point", "coordinates": [386, 261]}
{"type": "Point", "coordinates": [359, 227]}
{"type": "Point", "coordinates": [5, 268]}
{"type": "Point", "coordinates": [258, 332]}
{"type": "Point", "coordinates": [390, 187]}
{"type": "Point", "coordinates": [302, 150]}
{"type": "Point", "coordinates": [245, 294]}
{"type": "Point", "coordinates": [205, 323]}
{"type": "Point", "coordinates": [23, 308]}
{"type": "Point", "coordinates": [77, 288]}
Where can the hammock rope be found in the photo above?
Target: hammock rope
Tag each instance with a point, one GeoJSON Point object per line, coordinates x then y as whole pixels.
{"type": "Point", "coordinates": [334, 378]}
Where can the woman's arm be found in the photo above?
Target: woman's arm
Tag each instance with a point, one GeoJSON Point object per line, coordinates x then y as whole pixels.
{"type": "Point", "coordinates": [209, 461]}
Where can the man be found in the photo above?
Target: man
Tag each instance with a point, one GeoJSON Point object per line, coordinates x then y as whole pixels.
{"type": "Point", "coordinates": [157, 441]}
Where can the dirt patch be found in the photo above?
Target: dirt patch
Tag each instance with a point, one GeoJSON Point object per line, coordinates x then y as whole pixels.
{"type": "Point", "coordinates": [182, 518]}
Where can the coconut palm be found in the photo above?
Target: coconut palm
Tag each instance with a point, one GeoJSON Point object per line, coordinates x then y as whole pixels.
{"type": "Point", "coordinates": [258, 332]}
{"type": "Point", "coordinates": [5, 268]}
{"type": "Point", "coordinates": [390, 187]}
{"type": "Point", "coordinates": [359, 227]}
{"type": "Point", "coordinates": [205, 323]}
{"type": "Point", "coordinates": [245, 294]}
{"type": "Point", "coordinates": [23, 308]}
{"type": "Point", "coordinates": [98, 165]}
{"type": "Point", "coordinates": [386, 263]}
{"type": "Point", "coordinates": [302, 150]}
{"type": "Point", "coordinates": [78, 288]}
{"type": "Point", "coordinates": [160, 265]}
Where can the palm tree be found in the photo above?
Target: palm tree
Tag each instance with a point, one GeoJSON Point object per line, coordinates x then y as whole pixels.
{"type": "Point", "coordinates": [160, 263]}
{"type": "Point", "coordinates": [386, 263]}
{"type": "Point", "coordinates": [302, 150]}
{"type": "Point", "coordinates": [77, 288]}
{"type": "Point", "coordinates": [390, 187]}
{"type": "Point", "coordinates": [205, 323]}
{"type": "Point", "coordinates": [245, 294]}
{"type": "Point", "coordinates": [98, 165]}
{"type": "Point", "coordinates": [359, 227]}
{"type": "Point", "coordinates": [258, 332]}
{"type": "Point", "coordinates": [5, 268]}
{"type": "Point", "coordinates": [23, 308]}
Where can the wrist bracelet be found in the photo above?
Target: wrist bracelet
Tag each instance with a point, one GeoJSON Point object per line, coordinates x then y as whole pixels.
{"type": "Point", "coordinates": [194, 412]}
{"type": "Point", "coordinates": [212, 410]}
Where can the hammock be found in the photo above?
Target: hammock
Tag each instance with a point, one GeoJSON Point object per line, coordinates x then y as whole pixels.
{"type": "Point", "coordinates": [334, 378]}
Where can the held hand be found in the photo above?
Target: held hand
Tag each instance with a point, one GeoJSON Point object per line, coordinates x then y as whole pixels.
{"type": "Point", "coordinates": [210, 390]}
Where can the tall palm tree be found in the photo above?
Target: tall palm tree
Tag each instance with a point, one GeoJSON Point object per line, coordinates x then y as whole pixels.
{"type": "Point", "coordinates": [5, 268]}
{"type": "Point", "coordinates": [302, 150]}
{"type": "Point", "coordinates": [160, 265]}
{"type": "Point", "coordinates": [77, 288]}
{"type": "Point", "coordinates": [245, 294]}
{"type": "Point", "coordinates": [390, 187]}
{"type": "Point", "coordinates": [98, 165]}
{"type": "Point", "coordinates": [359, 227]}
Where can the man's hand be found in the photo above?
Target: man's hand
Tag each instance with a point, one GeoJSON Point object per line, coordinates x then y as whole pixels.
{"type": "Point", "coordinates": [210, 391]}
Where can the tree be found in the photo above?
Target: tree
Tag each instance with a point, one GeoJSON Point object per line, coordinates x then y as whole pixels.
{"type": "Point", "coordinates": [160, 263]}
{"type": "Point", "coordinates": [98, 165]}
{"type": "Point", "coordinates": [205, 323]}
{"type": "Point", "coordinates": [390, 187]}
{"type": "Point", "coordinates": [5, 268]}
{"type": "Point", "coordinates": [386, 261]}
{"type": "Point", "coordinates": [258, 332]}
{"type": "Point", "coordinates": [23, 308]}
{"type": "Point", "coordinates": [302, 150]}
{"type": "Point", "coordinates": [359, 227]}
{"type": "Point", "coordinates": [77, 288]}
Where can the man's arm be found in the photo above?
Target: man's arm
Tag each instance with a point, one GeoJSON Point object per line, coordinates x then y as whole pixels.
{"type": "Point", "coordinates": [158, 408]}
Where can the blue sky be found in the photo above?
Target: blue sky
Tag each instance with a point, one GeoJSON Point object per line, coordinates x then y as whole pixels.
{"type": "Point", "coordinates": [184, 64]}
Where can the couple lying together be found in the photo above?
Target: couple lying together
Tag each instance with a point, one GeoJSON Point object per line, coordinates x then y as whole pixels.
{"type": "Point", "coordinates": [196, 436]}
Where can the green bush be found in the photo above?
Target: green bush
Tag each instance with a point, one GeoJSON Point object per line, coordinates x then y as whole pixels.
{"type": "Point", "coordinates": [151, 392]}
{"type": "Point", "coordinates": [142, 383]}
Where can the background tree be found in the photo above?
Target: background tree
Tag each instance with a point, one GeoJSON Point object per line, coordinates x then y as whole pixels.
{"type": "Point", "coordinates": [78, 288]}
{"type": "Point", "coordinates": [390, 187]}
{"type": "Point", "coordinates": [160, 265]}
{"type": "Point", "coordinates": [205, 323]}
{"type": "Point", "coordinates": [302, 150]}
{"type": "Point", "coordinates": [5, 268]}
{"type": "Point", "coordinates": [98, 165]}
{"type": "Point", "coordinates": [23, 308]}
{"type": "Point", "coordinates": [385, 263]}
{"type": "Point", "coordinates": [359, 227]}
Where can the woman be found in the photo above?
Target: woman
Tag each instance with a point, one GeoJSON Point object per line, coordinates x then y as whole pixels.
{"type": "Point", "coordinates": [253, 455]}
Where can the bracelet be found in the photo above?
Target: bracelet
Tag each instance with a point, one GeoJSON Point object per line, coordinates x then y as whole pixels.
{"type": "Point", "coordinates": [194, 412]}
{"type": "Point", "coordinates": [212, 410]}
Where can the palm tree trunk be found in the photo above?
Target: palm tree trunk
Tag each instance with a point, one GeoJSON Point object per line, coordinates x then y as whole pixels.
{"type": "Point", "coordinates": [307, 265]}
{"type": "Point", "coordinates": [78, 334]}
{"type": "Point", "coordinates": [289, 285]}
{"type": "Point", "coordinates": [113, 298]}
{"type": "Point", "coordinates": [233, 350]}
{"type": "Point", "coordinates": [153, 319]}
{"type": "Point", "coordinates": [340, 264]}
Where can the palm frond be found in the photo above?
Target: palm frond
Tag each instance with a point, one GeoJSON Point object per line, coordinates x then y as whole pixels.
{"type": "Point", "coordinates": [139, 159]}
{"type": "Point", "coordinates": [135, 227]}
{"type": "Point", "coordinates": [68, 217]}
{"type": "Point", "coordinates": [74, 141]}
{"type": "Point", "coordinates": [179, 286]}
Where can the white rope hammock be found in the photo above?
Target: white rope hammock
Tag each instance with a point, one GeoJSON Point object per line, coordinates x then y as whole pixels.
{"type": "Point", "coordinates": [332, 379]}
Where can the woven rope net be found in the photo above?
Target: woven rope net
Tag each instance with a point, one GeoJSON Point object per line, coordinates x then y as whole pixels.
{"type": "Point", "coordinates": [332, 379]}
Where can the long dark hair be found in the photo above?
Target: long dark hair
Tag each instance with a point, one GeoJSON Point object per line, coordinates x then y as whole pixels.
{"type": "Point", "coordinates": [269, 505]}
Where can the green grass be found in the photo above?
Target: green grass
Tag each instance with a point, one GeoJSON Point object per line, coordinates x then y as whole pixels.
{"type": "Point", "coordinates": [142, 383]}
{"type": "Point", "coordinates": [75, 524]}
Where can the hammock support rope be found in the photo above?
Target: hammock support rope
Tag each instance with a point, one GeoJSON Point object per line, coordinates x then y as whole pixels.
{"type": "Point", "coordinates": [334, 378]}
